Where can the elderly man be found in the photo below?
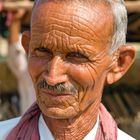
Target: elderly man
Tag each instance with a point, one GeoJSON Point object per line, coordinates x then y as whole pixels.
{"type": "Point", "coordinates": [74, 48]}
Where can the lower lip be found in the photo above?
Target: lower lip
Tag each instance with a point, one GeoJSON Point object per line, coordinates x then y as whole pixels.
{"type": "Point", "coordinates": [56, 95]}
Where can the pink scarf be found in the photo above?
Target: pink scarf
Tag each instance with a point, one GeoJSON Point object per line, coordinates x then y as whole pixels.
{"type": "Point", "coordinates": [27, 128]}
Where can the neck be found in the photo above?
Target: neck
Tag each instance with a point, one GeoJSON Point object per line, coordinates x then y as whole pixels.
{"type": "Point", "coordinates": [76, 128]}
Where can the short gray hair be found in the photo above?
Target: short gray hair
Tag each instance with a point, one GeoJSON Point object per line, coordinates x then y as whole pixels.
{"type": "Point", "coordinates": [119, 19]}
{"type": "Point", "coordinates": [120, 24]}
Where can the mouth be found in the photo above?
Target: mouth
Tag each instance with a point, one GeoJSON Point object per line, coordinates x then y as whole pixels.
{"type": "Point", "coordinates": [55, 94]}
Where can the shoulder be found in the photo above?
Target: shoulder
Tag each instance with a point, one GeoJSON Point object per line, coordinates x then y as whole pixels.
{"type": "Point", "coordinates": [124, 136]}
{"type": "Point", "coordinates": [7, 126]}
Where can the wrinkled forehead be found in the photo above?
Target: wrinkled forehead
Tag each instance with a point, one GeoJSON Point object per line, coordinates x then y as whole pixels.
{"type": "Point", "coordinates": [73, 16]}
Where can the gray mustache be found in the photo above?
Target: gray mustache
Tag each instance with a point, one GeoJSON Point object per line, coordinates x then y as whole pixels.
{"type": "Point", "coordinates": [58, 88]}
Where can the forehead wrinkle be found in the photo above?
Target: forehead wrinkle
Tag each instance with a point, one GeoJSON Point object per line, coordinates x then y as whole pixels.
{"type": "Point", "coordinates": [65, 9]}
{"type": "Point", "coordinates": [51, 41]}
{"type": "Point", "coordinates": [69, 31]}
{"type": "Point", "coordinates": [81, 20]}
{"type": "Point", "coordinates": [69, 18]}
{"type": "Point", "coordinates": [65, 39]}
{"type": "Point", "coordinates": [63, 15]}
{"type": "Point", "coordinates": [73, 23]}
{"type": "Point", "coordinates": [53, 44]}
{"type": "Point", "coordinates": [68, 43]}
{"type": "Point", "coordinates": [59, 23]}
{"type": "Point", "coordinates": [65, 34]}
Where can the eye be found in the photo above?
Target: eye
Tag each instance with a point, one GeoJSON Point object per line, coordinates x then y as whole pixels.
{"type": "Point", "coordinates": [42, 49]}
{"type": "Point", "coordinates": [43, 52]}
{"type": "Point", "coordinates": [77, 57]}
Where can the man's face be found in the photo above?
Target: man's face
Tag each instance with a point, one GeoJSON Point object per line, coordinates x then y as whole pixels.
{"type": "Point", "coordinates": [69, 51]}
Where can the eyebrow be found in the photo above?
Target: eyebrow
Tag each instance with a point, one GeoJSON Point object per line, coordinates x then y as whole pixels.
{"type": "Point", "coordinates": [49, 43]}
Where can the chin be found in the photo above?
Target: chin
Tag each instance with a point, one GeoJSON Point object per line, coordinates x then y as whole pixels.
{"type": "Point", "coordinates": [57, 113]}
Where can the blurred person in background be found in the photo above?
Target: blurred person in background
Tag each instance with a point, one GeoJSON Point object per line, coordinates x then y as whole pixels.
{"type": "Point", "coordinates": [17, 59]}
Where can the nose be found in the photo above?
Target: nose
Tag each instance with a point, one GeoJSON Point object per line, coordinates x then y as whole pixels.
{"type": "Point", "coordinates": [56, 71]}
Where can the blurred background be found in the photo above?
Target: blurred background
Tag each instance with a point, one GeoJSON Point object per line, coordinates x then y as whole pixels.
{"type": "Point", "coordinates": [16, 90]}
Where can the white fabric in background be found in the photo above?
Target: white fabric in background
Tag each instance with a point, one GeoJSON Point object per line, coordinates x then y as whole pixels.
{"type": "Point", "coordinates": [17, 62]}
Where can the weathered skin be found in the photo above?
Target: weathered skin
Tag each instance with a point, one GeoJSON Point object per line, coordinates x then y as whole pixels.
{"type": "Point", "coordinates": [69, 44]}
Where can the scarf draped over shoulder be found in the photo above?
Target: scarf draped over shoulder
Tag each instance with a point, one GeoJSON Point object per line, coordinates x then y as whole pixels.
{"type": "Point", "coordinates": [27, 128]}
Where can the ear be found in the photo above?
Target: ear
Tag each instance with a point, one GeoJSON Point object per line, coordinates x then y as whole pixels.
{"type": "Point", "coordinates": [126, 57]}
{"type": "Point", "coordinates": [25, 40]}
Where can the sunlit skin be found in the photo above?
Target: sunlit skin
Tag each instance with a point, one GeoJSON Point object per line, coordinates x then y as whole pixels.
{"type": "Point", "coordinates": [69, 44]}
{"type": "Point", "coordinates": [68, 48]}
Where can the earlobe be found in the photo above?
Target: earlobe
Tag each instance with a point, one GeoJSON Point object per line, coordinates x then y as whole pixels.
{"type": "Point", "coordinates": [25, 41]}
{"type": "Point", "coordinates": [125, 59]}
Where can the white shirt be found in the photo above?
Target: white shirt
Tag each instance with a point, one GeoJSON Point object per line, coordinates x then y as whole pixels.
{"type": "Point", "coordinates": [45, 133]}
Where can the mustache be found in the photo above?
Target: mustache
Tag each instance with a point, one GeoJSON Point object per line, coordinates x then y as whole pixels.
{"type": "Point", "coordinates": [58, 88]}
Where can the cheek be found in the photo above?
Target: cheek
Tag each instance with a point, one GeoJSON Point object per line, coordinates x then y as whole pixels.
{"type": "Point", "coordinates": [82, 75]}
{"type": "Point", "coordinates": [91, 82]}
{"type": "Point", "coordinates": [35, 67]}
